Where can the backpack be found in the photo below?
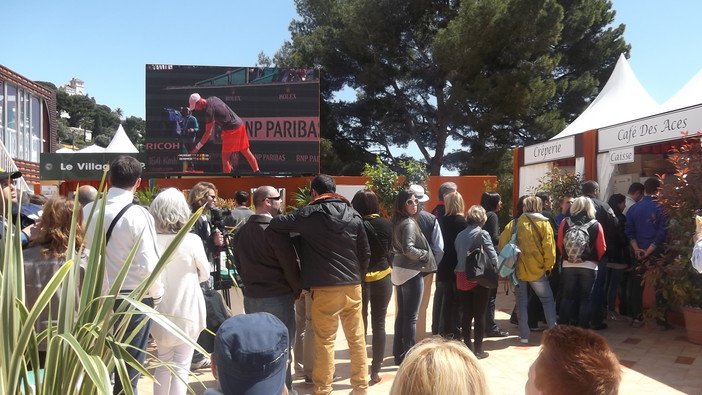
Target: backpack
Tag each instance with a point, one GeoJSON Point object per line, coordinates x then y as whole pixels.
{"type": "Point", "coordinates": [509, 256]}
{"type": "Point", "coordinates": [576, 241]}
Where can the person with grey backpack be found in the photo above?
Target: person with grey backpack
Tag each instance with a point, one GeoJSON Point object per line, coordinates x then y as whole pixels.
{"type": "Point", "coordinates": [582, 244]}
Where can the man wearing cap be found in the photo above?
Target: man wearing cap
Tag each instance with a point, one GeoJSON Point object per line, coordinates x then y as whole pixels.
{"type": "Point", "coordinates": [268, 264]}
{"type": "Point", "coordinates": [432, 232]}
{"type": "Point", "coordinates": [9, 194]}
{"type": "Point", "coordinates": [334, 256]}
{"type": "Point", "coordinates": [251, 352]}
{"type": "Point", "coordinates": [234, 135]}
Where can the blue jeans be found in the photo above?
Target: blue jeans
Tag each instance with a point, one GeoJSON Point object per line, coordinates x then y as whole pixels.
{"type": "Point", "coordinates": [139, 343]}
{"type": "Point", "coordinates": [378, 295]}
{"type": "Point", "coordinates": [598, 293]}
{"type": "Point", "coordinates": [409, 297]}
{"type": "Point", "coordinates": [577, 288]}
{"type": "Point", "coordinates": [542, 289]}
{"type": "Point", "coordinates": [283, 307]}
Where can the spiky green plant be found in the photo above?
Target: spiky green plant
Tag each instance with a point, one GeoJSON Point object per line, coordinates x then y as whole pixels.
{"type": "Point", "coordinates": [302, 196]}
{"type": "Point", "coordinates": [87, 338]}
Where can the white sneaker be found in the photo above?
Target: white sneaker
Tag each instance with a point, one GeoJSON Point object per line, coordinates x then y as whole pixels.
{"type": "Point", "coordinates": [202, 364]}
{"type": "Point", "coordinates": [524, 341]}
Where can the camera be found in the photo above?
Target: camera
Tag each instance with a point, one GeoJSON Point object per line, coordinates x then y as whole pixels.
{"type": "Point", "coordinates": [217, 217]}
{"type": "Point", "coordinates": [225, 274]}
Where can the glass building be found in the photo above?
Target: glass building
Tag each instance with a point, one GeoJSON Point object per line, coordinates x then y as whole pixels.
{"type": "Point", "coordinates": [27, 123]}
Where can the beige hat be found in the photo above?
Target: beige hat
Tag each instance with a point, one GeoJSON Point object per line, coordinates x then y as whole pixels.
{"type": "Point", "coordinates": [194, 98]}
{"type": "Point", "coordinates": [418, 191]}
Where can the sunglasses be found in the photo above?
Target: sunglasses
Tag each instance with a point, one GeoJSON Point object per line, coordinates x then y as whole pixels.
{"type": "Point", "coordinates": [274, 197]}
{"type": "Point", "coordinates": [412, 202]}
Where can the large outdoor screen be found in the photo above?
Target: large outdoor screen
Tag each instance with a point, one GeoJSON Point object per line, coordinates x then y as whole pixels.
{"type": "Point", "coordinates": [244, 120]}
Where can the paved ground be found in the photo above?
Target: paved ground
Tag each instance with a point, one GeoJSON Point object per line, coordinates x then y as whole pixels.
{"type": "Point", "coordinates": [654, 362]}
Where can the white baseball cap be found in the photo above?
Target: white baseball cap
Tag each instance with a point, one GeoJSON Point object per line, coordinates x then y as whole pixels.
{"type": "Point", "coordinates": [418, 191]}
{"type": "Point", "coordinates": [194, 98]}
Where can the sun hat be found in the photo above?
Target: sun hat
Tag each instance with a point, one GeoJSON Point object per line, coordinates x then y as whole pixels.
{"type": "Point", "coordinates": [418, 191]}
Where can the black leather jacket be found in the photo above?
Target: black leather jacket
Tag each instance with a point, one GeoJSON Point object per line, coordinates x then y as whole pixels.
{"type": "Point", "coordinates": [334, 246]}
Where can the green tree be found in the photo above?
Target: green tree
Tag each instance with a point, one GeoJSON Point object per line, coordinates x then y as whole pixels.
{"type": "Point", "coordinates": [491, 74]}
{"type": "Point", "coordinates": [135, 127]}
{"type": "Point", "coordinates": [103, 140]}
{"type": "Point", "coordinates": [386, 182]}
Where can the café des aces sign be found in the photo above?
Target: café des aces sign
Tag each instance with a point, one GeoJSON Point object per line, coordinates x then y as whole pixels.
{"type": "Point", "coordinates": [668, 126]}
{"type": "Point", "coordinates": [550, 151]}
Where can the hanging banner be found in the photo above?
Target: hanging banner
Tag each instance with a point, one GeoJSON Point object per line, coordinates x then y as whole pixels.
{"type": "Point", "coordinates": [669, 126]}
{"type": "Point", "coordinates": [550, 151]}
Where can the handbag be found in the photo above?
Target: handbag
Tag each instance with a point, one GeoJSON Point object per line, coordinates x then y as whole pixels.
{"type": "Point", "coordinates": [479, 267]}
{"type": "Point", "coordinates": [509, 256]}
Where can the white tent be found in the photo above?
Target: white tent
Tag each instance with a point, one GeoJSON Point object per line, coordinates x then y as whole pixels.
{"type": "Point", "coordinates": [622, 99]}
{"type": "Point", "coordinates": [65, 150]}
{"type": "Point", "coordinates": [120, 143]}
{"type": "Point", "coordinates": [688, 95]}
{"type": "Point", "coordinates": [91, 149]}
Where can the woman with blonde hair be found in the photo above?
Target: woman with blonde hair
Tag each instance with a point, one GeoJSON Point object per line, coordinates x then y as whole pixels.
{"type": "Point", "coordinates": [183, 302]}
{"type": "Point", "coordinates": [473, 296]}
{"type": "Point", "coordinates": [446, 303]}
{"type": "Point", "coordinates": [438, 366]}
{"type": "Point", "coordinates": [578, 274]}
{"type": "Point", "coordinates": [536, 241]}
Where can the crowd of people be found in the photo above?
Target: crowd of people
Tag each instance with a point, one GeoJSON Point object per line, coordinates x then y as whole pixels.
{"type": "Point", "coordinates": [336, 260]}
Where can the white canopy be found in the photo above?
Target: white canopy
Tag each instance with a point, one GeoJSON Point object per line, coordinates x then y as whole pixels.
{"type": "Point", "coordinates": [120, 143]}
{"type": "Point", "coordinates": [65, 150]}
{"type": "Point", "coordinates": [91, 149]}
{"type": "Point", "coordinates": [688, 95]}
{"type": "Point", "coordinates": [622, 99]}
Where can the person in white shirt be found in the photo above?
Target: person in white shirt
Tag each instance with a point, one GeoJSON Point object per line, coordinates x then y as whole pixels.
{"type": "Point", "coordinates": [633, 195]}
{"type": "Point", "coordinates": [183, 302]}
{"type": "Point", "coordinates": [125, 229]}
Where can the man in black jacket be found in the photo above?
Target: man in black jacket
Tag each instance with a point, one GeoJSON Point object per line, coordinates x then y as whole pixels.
{"type": "Point", "coordinates": [268, 265]}
{"type": "Point", "coordinates": [334, 255]}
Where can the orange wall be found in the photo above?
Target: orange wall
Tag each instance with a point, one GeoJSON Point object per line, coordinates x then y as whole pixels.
{"type": "Point", "coordinates": [471, 187]}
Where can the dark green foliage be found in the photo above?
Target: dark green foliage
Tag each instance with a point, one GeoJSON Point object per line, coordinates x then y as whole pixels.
{"type": "Point", "coordinates": [85, 113]}
{"type": "Point", "coordinates": [491, 74]}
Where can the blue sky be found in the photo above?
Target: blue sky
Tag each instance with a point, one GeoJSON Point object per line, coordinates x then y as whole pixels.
{"type": "Point", "coordinates": [107, 46]}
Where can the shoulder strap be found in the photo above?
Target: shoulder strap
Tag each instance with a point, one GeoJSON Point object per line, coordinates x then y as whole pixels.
{"type": "Point", "coordinates": [536, 230]}
{"type": "Point", "coordinates": [114, 221]}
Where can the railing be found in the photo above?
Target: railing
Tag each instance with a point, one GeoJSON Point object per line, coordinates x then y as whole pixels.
{"type": "Point", "coordinates": [7, 163]}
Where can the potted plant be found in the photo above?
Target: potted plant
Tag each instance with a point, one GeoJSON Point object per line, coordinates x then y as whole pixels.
{"type": "Point", "coordinates": [88, 337]}
{"type": "Point", "coordinates": [673, 274]}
